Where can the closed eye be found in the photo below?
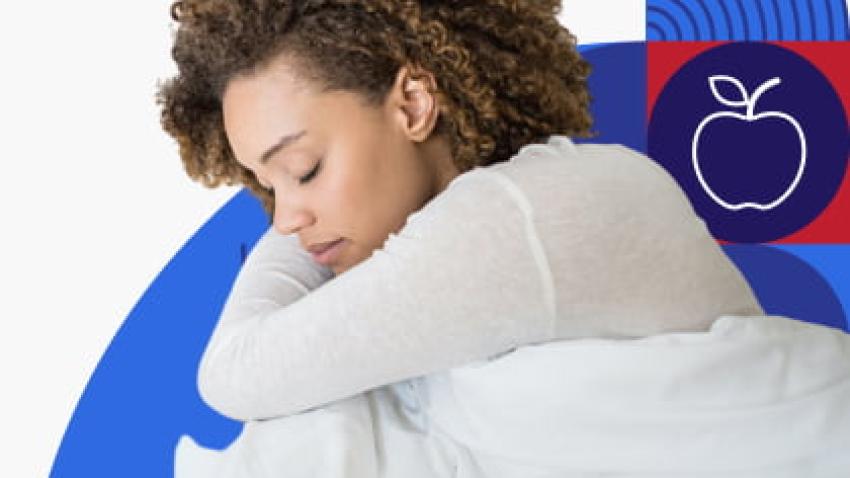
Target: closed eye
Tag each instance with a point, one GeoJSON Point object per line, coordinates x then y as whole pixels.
{"type": "Point", "coordinates": [312, 174]}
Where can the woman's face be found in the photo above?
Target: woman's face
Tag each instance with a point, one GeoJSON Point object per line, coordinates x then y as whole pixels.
{"type": "Point", "coordinates": [338, 169]}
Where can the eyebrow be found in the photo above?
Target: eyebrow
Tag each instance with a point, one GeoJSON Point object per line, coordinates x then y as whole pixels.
{"type": "Point", "coordinates": [282, 143]}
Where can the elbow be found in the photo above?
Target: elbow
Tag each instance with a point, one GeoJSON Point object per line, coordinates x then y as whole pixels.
{"type": "Point", "coordinates": [241, 375]}
{"type": "Point", "coordinates": [233, 381]}
{"type": "Point", "coordinates": [227, 382]}
{"type": "Point", "coordinates": [218, 391]}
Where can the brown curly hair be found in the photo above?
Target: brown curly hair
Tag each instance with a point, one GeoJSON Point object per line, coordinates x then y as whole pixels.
{"type": "Point", "coordinates": [507, 72]}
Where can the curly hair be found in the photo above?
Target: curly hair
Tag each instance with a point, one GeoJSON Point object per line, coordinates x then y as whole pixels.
{"type": "Point", "coordinates": [507, 72]}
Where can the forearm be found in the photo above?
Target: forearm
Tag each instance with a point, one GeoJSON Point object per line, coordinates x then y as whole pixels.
{"type": "Point", "coordinates": [276, 273]}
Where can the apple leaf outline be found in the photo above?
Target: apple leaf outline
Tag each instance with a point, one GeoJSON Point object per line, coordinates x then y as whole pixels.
{"type": "Point", "coordinates": [715, 80]}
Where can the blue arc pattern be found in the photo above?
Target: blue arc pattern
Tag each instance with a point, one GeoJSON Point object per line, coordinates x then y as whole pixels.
{"type": "Point", "coordinates": [747, 20]}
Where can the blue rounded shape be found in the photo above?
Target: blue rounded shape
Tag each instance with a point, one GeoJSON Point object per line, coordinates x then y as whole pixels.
{"type": "Point", "coordinates": [142, 396]}
{"type": "Point", "coordinates": [618, 107]}
{"type": "Point", "coordinates": [787, 285]}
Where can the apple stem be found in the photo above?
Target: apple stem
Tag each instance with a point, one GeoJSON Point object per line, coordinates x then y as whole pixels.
{"type": "Point", "coordinates": [751, 104]}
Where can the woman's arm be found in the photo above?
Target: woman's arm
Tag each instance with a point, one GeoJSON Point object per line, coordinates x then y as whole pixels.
{"type": "Point", "coordinates": [464, 280]}
{"type": "Point", "coordinates": [276, 273]}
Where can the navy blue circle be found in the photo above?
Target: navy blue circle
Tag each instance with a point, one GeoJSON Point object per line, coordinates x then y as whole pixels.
{"type": "Point", "coordinates": [752, 159]}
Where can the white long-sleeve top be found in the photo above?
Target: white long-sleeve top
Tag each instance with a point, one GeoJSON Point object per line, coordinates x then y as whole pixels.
{"type": "Point", "coordinates": [561, 241]}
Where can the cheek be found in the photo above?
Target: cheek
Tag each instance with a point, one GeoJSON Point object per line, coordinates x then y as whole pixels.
{"type": "Point", "coordinates": [357, 187]}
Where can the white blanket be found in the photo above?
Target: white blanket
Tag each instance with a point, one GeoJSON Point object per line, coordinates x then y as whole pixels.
{"type": "Point", "coordinates": [763, 396]}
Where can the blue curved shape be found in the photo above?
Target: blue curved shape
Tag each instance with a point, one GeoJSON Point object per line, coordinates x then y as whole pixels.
{"type": "Point", "coordinates": [706, 15]}
{"type": "Point", "coordinates": [618, 107]}
{"type": "Point", "coordinates": [832, 261]}
{"type": "Point", "coordinates": [770, 22]}
{"type": "Point", "coordinates": [821, 20]}
{"type": "Point", "coordinates": [791, 9]}
{"type": "Point", "coordinates": [743, 20]}
{"type": "Point", "coordinates": [751, 5]}
{"type": "Point", "coordinates": [655, 33]}
{"type": "Point", "coordinates": [787, 285]}
{"type": "Point", "coordinates": [830, 19]}
{"type": "Point", "coordinates": [839, 19]}
{"type": "Point", "coordinates": [761, 20]}
{"type": "Point", "coordinates": [805, 19]}
{"type": "Point", "coordinates": [732, 34]}
{"type": "Point", "coordinates": [753, 19]}
{"type": "Point", "coordinates": [845, 20]}
{"type": "Point", "coordinates": [720, 21]}
{"type": "Point", "coordinates": [698, 20]}
{"type": "Point", "coordinates": [682, 16]}
{"type": "Point", "coordinates": [142, 396]}
{"type": "Point", "coordinates": [817, 19]}
{"type": "Point", "coordinates": [657, 16]}
{"type": "Point", "coordinates": [779, 20]}
{"type": "Point", "coordinates": [735, 17]}
{"type": "Point", "coordinates": [587, 47]}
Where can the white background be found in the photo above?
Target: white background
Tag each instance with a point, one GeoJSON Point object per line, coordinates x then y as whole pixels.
{"type": "Point", "coordinates": [94, 199]}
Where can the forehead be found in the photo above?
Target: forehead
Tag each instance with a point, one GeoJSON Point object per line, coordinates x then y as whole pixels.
{"type": "Point", "coordinates": [259, 107]}
{"type": "Point", "coordinates": [272, 89]}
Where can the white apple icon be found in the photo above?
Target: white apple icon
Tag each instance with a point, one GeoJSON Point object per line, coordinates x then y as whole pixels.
{"type": "Point", "coordinates": [750, 103]}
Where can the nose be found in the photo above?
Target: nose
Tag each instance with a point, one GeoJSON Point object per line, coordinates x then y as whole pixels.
{"type": "Point", "coordinates": [290, 218]}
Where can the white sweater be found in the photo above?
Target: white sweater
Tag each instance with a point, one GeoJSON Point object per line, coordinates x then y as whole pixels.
{"type": "Point", "coordinates": [562, 241]}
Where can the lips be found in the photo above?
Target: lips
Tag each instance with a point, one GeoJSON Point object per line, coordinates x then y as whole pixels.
{"type": "Point", "coordinates": [325, 253]}
{"type": "Point", "coordinates": [321, 247]}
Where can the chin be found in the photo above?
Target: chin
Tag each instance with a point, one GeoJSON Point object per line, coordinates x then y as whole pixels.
{"type": "Point", "coordinates": [337, 270]}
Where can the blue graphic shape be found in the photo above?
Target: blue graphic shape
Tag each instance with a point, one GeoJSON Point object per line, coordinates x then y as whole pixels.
{"type": "Point", "coordinates": [787, 285]}
{"type": "Point", "coordinates": [745, 170]}
{"type": "Point", "coordinates": [142, 395]}
{"type": "Point", "coordinates": [618, 107]}
{"type": "Point", "coordinates": [832, 261]}
{"type": "Point", "coordinates": [747, 20]}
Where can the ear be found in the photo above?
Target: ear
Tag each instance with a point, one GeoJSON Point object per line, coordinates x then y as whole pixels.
{"type": "Point", "coordinates": [415, 102]}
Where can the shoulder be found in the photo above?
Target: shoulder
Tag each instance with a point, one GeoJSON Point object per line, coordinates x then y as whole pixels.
{"type": "Point", "coordinates": [559, 174]}
{"type": "Point", "coordinates": [555, 179]}
{"type": "Point", "coordinates": [559, 159]}
{"type": "Point", "coordinates": [474, 199]}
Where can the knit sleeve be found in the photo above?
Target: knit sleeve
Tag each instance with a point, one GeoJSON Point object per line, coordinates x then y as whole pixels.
{"type": "Point", "coordinates": [462, 281]}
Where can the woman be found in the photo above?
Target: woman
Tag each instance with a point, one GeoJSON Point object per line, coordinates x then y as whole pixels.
{"type": "Point", "coordinates": [429, 208]}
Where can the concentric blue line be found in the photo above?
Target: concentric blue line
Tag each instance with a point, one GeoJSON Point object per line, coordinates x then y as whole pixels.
{"type": "Point", "coordinates": [805, 19]}
{"type": "Point", "coordinates": [668, 18]}
{"type": "Point", "coordinates": [829, 17]}
{"type": "Point", "coordinates": [844, 18]}
{"type": "Point", "coordinates": [795, 15]}
{"type": "Point", "coordinates": [816, 22]}
{"type": "Point", "coordinates": [749, 20]}
{"type": "Point", "coordinates": [697, 32]}
{"type": "Point", "coordinates": [744, 19]}
{"type": "Point", "coordinates": [779, 25]}
{"type": "Point", "coordinates": [661, 35]}
{"type": "Point", "coordinates": [708, 19]}
{"type": "Point", "coordinates": [752, 17]}
{"type": "Point", "coordinates": [731, 32]}
{"type": "Point", "coordinates": [838, 18]}
{"type": "Point", "coordinates": [760, 13]}
{"type": "Point", "coordinates": [770, 25]}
